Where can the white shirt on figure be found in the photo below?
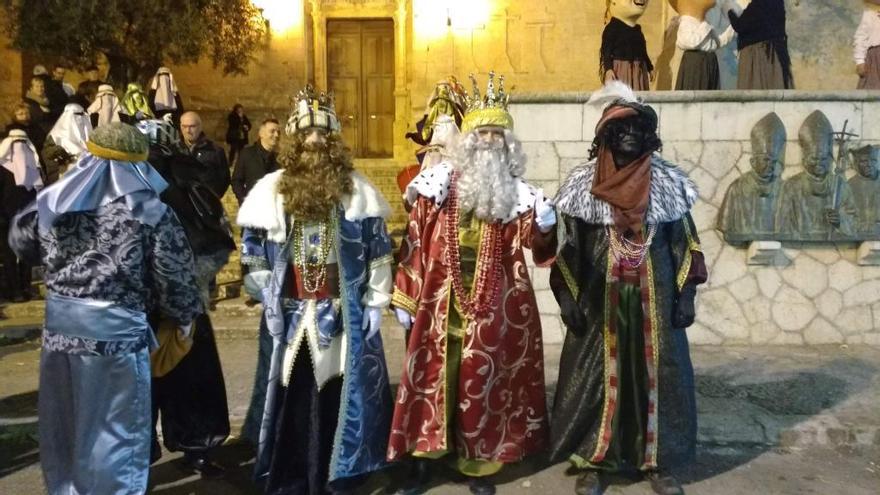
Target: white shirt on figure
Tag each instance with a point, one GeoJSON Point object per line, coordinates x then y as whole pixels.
{"type": "Point", "coordinates": [694, 34]}
{"type": "Point", "coordinates": [867, 35]}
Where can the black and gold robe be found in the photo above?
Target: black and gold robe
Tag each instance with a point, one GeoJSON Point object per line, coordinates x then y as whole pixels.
{"type": "Point", "coordinates": [625, 393]}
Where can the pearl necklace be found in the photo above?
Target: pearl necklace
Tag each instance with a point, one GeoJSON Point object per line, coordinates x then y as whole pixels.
{"type": "Point", "coordinates": [314, 271]}
{"type": "Point", "coordinates": [488, 276]}
{"type": "Point", "coordinates": [629, 253]}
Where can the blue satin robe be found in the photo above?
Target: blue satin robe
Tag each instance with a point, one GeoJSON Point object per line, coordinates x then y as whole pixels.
{"type": "Point", "coordinates": [365, 411]}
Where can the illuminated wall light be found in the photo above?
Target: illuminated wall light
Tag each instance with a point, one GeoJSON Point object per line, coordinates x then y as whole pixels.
{"type": "Point", "coordinates": [284, 16]}
{"type": "Point", "coordinates": [435, 18]}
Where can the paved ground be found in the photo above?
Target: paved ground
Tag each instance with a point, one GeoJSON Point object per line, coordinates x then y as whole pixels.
{"type": "Point", "coordinates": [772, 420]}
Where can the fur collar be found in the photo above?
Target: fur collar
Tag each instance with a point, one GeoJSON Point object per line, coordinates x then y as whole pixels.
{"type": "Point", "coordinates": [434, 183]}
{"type": "Point", "coordinates": [671, 197]}
{"type": "Point", "coordinates": [263, 208]}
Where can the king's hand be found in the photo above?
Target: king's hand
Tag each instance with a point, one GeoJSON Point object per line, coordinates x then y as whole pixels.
{"type": "Point", "coordinates": [545, 214]}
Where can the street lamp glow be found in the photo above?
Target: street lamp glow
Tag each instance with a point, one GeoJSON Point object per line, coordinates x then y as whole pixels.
{"type": "Point", "coordinates": [436, 18]}
{"type": "Point", "coordinates": [283, 15]}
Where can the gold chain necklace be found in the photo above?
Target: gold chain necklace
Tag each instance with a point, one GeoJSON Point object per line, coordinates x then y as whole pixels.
{"type": "Point", "coordinates": [629, 253]}
{"type": "Point", "coordinates": [314, 269]}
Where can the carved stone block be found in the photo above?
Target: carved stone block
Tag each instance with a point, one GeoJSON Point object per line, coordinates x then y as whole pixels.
{"type": "Point", "coordinates": [869, 253]}
{"type": "Point", "coordinates": [766, 253]}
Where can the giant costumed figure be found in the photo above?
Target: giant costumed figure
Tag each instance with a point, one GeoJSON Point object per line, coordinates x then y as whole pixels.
{"type": "Point", "coordinates": [699, 68]}
{"type": "Point", "coordinates": [473, 381]}
{"type": "Point", "coordinates": [624, 53]}
{"type": "Point", "coordinates": [764, 62]}
{"type": "Point", "coordinates": [625, 278]}
{"type": "Point", "coordinates": [866, 46]}
{"type": "Point", "coordinates": [320, 261]}
{"type": "Point", "coordinates": [110, 248]}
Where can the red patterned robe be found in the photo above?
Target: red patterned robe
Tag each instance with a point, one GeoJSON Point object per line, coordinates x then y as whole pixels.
{"type": "Point", "coordinates": [501, 412]}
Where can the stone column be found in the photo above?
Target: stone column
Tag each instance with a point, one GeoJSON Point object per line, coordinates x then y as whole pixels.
{"type": "Point", "coordinates": [401, 83]}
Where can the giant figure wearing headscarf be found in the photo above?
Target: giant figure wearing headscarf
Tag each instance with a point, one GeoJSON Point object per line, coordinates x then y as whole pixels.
{"type": "Point", "coordinates": [624, 52]}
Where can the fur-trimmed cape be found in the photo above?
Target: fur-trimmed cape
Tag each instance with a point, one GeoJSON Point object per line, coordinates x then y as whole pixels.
{"type": "Point", "coordinates": [434, 183]}
{"type": "Point", "coordinates": [263, 208]}
{"type": "Point", "coordinates": [672, 194]}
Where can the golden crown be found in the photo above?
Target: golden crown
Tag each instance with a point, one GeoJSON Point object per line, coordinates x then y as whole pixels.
{"type": "Point", "coordinates": [489, 109]}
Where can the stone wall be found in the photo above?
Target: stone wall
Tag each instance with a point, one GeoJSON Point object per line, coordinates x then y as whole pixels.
{"type": "Point", "coordinates": [823, 296]}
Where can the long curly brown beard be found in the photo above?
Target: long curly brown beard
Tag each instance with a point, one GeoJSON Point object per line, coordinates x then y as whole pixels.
{"type": "Point", "coordinates": [315, 177]}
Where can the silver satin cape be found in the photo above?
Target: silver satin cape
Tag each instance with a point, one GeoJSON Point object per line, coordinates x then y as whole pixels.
{"type": "Point", "coordinates": [78, 453]}
{"type": "Point", "coordinates": [108, 243]}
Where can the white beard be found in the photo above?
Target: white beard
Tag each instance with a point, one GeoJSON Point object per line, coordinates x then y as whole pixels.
{"type": "Point", "coordinates": [487, 181]}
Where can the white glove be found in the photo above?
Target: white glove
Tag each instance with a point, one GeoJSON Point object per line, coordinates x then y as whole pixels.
{"type": "Point", "coordinates": [372, 321]}
{"type": "Point", "coordinates": [255, 282]}
{"type": "Point", "coordinates": [404, 318]}
{"type": "Point", "coordinates": [545, 214]}
{"type": "Point", "coordinates": [186, 330]}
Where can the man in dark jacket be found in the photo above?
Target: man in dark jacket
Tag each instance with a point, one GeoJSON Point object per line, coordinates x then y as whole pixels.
{"type": "Point", "coordinates": [38, 103]}
{"type": "Point", "coordinates": [256, 160]}
{"type": "Point", "coordinates": [215, 173]}
{"type": "Point", "coordinates": [57, 92]}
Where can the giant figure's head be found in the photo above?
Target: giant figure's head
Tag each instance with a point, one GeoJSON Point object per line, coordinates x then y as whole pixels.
{"type": "Point", "coordinates": [693, 8]}
{"type": "Point", "coordinates": [768, 147]}
{"type": "Point", "coordinates": [628, 11]}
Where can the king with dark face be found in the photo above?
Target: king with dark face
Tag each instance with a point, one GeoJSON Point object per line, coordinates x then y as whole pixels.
{"type": "Point", "coordinates": [625, 278]}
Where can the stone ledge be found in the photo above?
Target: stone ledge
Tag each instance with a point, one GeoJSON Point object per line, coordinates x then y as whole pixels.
{"type": "Point", "coordinates": [734, 96]}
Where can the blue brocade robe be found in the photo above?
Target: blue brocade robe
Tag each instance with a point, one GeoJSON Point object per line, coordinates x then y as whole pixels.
{"type": "Point", "coordinates": [110, 248]}
{"type": "Point", "coordinates": [360, 243]}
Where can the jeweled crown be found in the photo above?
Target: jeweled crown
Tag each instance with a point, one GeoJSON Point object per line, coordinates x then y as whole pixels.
{"type": "Point", "coordinates": [489, 109]}
{"type": "Point", "coordinates": [313, 109]}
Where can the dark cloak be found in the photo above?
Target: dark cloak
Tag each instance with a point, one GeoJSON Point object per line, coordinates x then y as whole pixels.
{"type": "Point", "coordinates": [587, 391]}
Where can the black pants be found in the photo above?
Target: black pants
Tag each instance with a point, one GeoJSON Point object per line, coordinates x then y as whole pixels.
{"type": "Point", "coordinates": [235, 151]}
{"type": "Point", "coordinates": [192, 397]}
{"type": "Point", "coordinates": [16, 273]}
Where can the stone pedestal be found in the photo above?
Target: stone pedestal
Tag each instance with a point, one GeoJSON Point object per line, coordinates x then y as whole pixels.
{"type": "Point", "coordinates": [766, 253]}
{"type": "Point", "coordinates": [869, 253]}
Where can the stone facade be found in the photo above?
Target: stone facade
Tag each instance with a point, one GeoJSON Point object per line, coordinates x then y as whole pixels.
{"type": "Point", "coordinates": [821, 296]}
{"type": "Point", "coordinates": [553, 46]}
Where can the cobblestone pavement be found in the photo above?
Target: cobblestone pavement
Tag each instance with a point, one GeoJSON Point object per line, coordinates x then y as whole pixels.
{"type": "Point", "coordinates": [775, 420]}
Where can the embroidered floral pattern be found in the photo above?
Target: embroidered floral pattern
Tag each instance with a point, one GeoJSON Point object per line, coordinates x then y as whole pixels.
{"type": "Point", "coordinates": [68, 344]}
{"type": "Point", "coordinates": [108, 255]}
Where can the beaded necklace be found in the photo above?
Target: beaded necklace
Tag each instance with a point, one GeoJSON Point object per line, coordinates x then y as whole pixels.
{"type": "Point", "coordinates": [629, 253]}
{"type": "Point", "coordinates": [488, 276]}
{"type": "Point", "coordinates": [314, 268]}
